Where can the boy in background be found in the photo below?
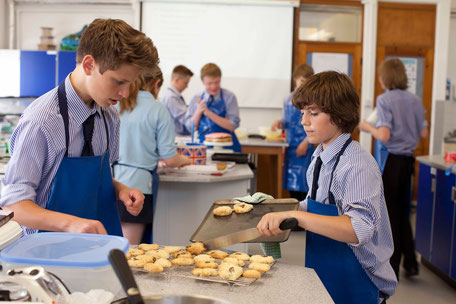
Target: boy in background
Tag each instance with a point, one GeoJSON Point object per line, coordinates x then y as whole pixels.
{"type": "Point", "coordinates": [173, 99]}
{"type": "Point", "coordinates": [59, 176]}
{"type": "Point", "coordinates": [299, 152]}
{"type": "Point", "coordinates": [349, 240]}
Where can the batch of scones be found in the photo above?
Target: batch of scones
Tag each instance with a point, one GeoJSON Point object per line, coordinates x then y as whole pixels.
{"type": "Point", "coordinates": [153, 259]}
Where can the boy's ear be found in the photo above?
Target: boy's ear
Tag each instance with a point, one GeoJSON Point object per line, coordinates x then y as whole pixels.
{"type": "Point", "coordinates": [88, 64]}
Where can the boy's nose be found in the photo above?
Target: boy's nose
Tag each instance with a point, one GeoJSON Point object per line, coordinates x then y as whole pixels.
{"type": "Point", "coordinates": [124, 92]}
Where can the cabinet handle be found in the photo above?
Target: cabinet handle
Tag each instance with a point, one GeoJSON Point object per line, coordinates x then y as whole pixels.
{"type": "Point", "coordinates": [453, 194]}
{"type": "Point", "coordinates": [433, 185]}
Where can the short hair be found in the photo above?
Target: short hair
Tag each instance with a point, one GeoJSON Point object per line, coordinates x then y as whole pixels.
{"type": "Point", "coordinates": [210, 69]}
{"type": "Point", "coordinates": [303, 70]}
{"type": "Point", "coordinates": [393, 74]}
{"type": "Point", "coordinates": [333, 93]}
{"type": "Point", "coordinates": [181, 71]}
{"type": "Point", "coordinates": [112, 43]}
{"type": "Point", "coordinates": [144, 82]}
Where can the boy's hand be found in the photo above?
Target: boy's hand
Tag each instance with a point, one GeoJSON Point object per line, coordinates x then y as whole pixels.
{"type": "Point", "coordinates": [364, 126]}
{"type": "Point", "coordinates": [270, 222]}
{"type": "Point", "coordinates": [301, 150]}
{"type": "Point", "coordinates": [200, 106]}
{"type": "Point", "coordinates": [276, 125]}
{"type": "Point", "coordinates": [81, 225]}
{"type": "Point", "coordinates": [133, 200]}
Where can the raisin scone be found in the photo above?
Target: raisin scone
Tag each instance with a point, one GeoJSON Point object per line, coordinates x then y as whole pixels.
{"type": "Point", "coordinates": [222, 211]}
{"type": "Point", "coordinates": [242, 207]}
{"type": "Point", "coordinates": [230, 273]}
{"type": "Point", "coordinates": [195, 248]}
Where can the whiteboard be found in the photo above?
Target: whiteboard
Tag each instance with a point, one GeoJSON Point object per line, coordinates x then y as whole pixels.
{"type": "Point", "coordinates": [252, 44]}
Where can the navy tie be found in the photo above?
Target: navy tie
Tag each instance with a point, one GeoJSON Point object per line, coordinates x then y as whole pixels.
{"type": "Point", "coordinates": [87, 127]}
{"type": "Point", "coordinates": [316, 175]}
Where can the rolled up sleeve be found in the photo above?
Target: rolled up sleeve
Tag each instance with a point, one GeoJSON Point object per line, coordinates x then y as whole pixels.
{"type": "Point", "coordinates": [385, 116]}
{"type": "Point", "coordinates": [232, 110]}
{"type": "Point", "coordinates": [188, 117]}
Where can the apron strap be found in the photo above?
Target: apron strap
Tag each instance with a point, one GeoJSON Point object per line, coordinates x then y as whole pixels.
{"type": "Point", "coordinates": [331, 199]}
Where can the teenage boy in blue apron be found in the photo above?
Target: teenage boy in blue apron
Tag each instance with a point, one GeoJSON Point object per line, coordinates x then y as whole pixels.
{"type": "Point", "coordinates": [299, 151]}
{"type": "Point", "coordinates": [173, 99]}
{"type": "Point", "coordinates": [59, 178]}
{"type": "Point", "coordinates": [215, 109]}
{"type": "Point", "coordinates": [349, 240]}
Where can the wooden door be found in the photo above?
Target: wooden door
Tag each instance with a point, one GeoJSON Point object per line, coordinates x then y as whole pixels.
{"type": "Point", "coordinates": [409, 30]}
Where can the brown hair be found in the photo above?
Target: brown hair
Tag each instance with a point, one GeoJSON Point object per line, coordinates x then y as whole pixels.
{"type": "Point", "coordinates": [113, 42]}
{"type": "Point", "coordinates": [145, 82]}
{"type": "Point", "coordinates": [333, 93]}
{"type": "Point", "coordinates": [392, 72]}
{"type": "Point", "coordinates": [181, 71]}
{"type": "Point", "coordinates": [303, 70]}
{"type": "Point", "coordinates": [210, 69]}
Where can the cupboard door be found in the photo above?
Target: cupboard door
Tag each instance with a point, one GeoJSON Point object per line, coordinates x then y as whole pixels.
{"type": "Point", "coordinates": [453, 258]}
{"type": "Point", "coordinates": [443, 222]}
{"type": "Point", "coordinates": [424, 210]}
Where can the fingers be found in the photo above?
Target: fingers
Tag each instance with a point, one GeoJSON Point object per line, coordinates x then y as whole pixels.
{"type": "Point", "coordinates": [81, 225]}
{"type": "Point", "coordinates": [269, 224]}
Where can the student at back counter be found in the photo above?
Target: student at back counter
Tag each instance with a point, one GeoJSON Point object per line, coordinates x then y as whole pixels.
{"type": "Point", "coordinates": [59, 178]}
{"type": "Point", "coordinates": [215, 109]}
{"type": "Point", "coordinates": [349, 241]}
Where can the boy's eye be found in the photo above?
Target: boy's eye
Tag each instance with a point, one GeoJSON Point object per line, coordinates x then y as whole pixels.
{"type": "Point", "coordinates": [314, 113]}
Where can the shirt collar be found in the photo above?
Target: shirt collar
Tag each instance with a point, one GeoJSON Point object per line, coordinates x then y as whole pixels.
{"type": "Point", "coordinates": [79, 110]}
{"type": "Point", "coordinates": [332, 150]}
{"type": "Point", "coordinates": [207, 96]}
{"type": "Point", "coordinates": [174, 90]}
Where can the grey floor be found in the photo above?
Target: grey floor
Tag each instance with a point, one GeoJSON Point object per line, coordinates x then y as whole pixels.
{"type": "Point", "coordinates": [424, 288]}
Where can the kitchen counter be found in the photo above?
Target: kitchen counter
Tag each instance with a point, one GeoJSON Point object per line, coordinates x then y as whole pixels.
{"type": "Point", "coordinates": [262, 143]}
{"type": "Point", "coordinates": [283, 284]}
{"type": "Point", "coordinates": [437, 161]}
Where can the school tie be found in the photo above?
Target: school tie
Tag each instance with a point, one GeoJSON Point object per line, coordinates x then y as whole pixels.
{"type": "Point", "coordinates": [87, 128]}
{"type": "Point", "coordinates": [316, 175]}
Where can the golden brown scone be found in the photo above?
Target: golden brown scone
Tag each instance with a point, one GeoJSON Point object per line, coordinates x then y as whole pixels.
{"type": "Point", "coordinates": [221, 166]}
{"type": "Point", "coordinates": [204, 272]}
{"type": "Point", "coordinates": [183, 261]}
{"type": "Point", "coordinates": [148, 247]}
{"type": "Point", "coordinates": [217, 254]}
{"type": "Point", "coordinates": [234, 261]}
{"type": "Point", "coordinates": [172, 249]}
{"type": "Point", "coordinates": [242, 208]}
{"type": "Point", "coordinates": [146, 257]}
{"type": "Point", "coordinates": [163, 262]}
{"type": "Point", "coordinates": [230, 273]}
{"type": "Point", "coordinates": [260, 267]}
{"type": "Point", "coordinates": [240, 256]}
{"type": "Point", "coordinates": [158, 253]}
{"type": "Point", "coordinates": [252, 274]}
{"type": "Point", "coordinates": [195, 248]}
{"type": "Point", "coordinates": [261, 259]}
{"type": "Point", "coordinates": [204, 257]}
{"type": "Point", "coordinates": [134, 252]}
{"type": "Point", "coordinates": [151, 267]}
{"type": "Point", "coordinates": [137, 263]}
{"type": "Point", "coordinates": [205, 264]}
{"type": "Point", "coordinates": [182, 254]}
{"type": "Point", "coordinates": [222, 211]}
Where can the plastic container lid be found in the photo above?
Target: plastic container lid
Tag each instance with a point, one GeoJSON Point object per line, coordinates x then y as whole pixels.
{"type": "Point", "coordinates": [63, 249]}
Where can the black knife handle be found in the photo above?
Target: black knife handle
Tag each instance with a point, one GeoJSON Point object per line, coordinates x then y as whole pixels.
{"type": "Point", "coordinates": [125, 276]}
{"type": "Point", "coordinates": [289, 223]}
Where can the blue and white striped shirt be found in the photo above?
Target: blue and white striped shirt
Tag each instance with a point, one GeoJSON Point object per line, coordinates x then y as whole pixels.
{"type": "Point", "coordinates": [38, 145]}
{"type": "Point", "coordinates": [358, 191]}
{"type": "Point", "coordinates": [177, 108]}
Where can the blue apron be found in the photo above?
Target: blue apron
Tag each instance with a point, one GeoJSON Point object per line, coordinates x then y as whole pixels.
{"type": "Point", "coordinates": [295, 168]}
{"type": "Point", "coordinates": [155, 183]}
{"type": "Point", "coordinates": [219, 108]}
{"type": "Point", "coordinates": [334, 261]}
{"type": "Point", "coordinates": [83, 186]}
{"type": "Point", "coordinates": [380, 154]}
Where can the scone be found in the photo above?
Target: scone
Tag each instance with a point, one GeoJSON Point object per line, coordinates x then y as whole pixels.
{"type": "Point", "coordinates": [240, 256]}
{"type": "Point", "coordinates": [195, 248]}
{"type": "Point", "coordinates": [205, 272]}
{"type": "Point", "coordinates": [261, 259]}
{"type": "Point", "coordinates": [146, 257]}
{"type": "Point", "coordinates": [148, 247]}
{"type": "Point", "coordinates": [134, 252]}
{"type": "Point", "coordinates": [230, 273]}
{"type": "Point", "coordinates": [163, 262]}
{"type": "Point", "coordinates": [221, 166]}
{"type": "Point", "coordinates": [182, 254]}
{"type": "Point", "coordinates": [251, 274]}
{"type": "Point", "coordinates": [204, 257]}
{"type": "Point", "coordinates": [234, 261]}
{"type": "Point", "coordinates": [242, 208]}
{"type": "Point", "coordinates": [158, 253]}
{"type": "Point", "coordinates": [259, 267]}
{"type": "Point", "coordinates": [152, 267]}
{"type": "Point", "coordinates": [205, 264]}
{"type": "Point", "coordinates": [217, 254]}
{"type": "Point", "coordinates": [222, 211]}
{"type": "Point", "coordinates": [136, 263]}
{"type": "Point", "coordinates": [183, 261]}
{"type": "Point", "coordinates": [172, 249]}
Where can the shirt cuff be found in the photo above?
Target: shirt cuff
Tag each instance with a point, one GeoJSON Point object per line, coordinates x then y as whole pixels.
{"type": "Point", "coordinates": [383, 124]}
{"type": "Point", "coordinates": [303, 205]}
{"type": "Point", "coordinates": [363, 230]}
{"type": "Point", "coordinates": [12, 194]}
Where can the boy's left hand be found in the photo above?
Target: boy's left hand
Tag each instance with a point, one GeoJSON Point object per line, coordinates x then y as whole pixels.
{"type": "Point", "coordinates": [270, 222]}
{"type": "Point", "coordinates": [364, 126]}
{"type": "Point", "coordinates": [133, 200]}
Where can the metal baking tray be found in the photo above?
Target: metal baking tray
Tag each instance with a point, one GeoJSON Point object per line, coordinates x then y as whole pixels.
{"type": "Point", "coordinates": [215, 226]}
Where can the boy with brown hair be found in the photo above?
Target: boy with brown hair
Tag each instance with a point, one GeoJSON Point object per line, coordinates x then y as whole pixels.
{"type": "Point", "coordinates": [59, 177]}
{"type": "Point", "coordinates": [349, 240]}
{"type": "Point", "coordinates": [173, 99]}
{"type": "Point", "coordinates": [215, 109]}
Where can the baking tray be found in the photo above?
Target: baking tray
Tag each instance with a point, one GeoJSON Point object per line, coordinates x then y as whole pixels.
{"type": "Point", "coordinates": [215, 226]}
